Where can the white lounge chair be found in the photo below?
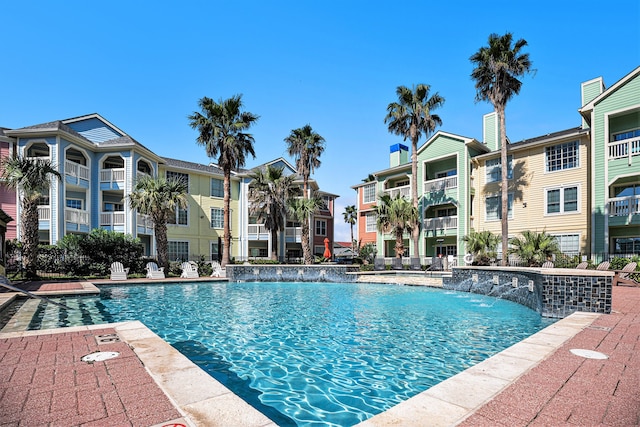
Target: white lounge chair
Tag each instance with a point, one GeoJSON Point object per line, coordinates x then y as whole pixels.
{"type": "Point", "coordinates": [216, 269]}
{"type": "Point", "coordinates": [547, 264]}
{"type": "Point", "coordinates": [189, 270]}
{"type": "Point", "coordinates": [118, 272]}
{"type": "Point", "coordinates": [154, 272]}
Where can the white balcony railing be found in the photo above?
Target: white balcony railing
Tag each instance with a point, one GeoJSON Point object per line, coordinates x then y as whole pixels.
{"type": "Point", "coordinates": [76, 216]}
{"type": "Point", "coordinates": [441, 223]}
{"type": "Point", "coordinates": [144, 221]}
{"type": "Point", "coordinates": [404, 191]}
{"type": "Point", "coordinates": [112, 175]}
{"type": "Point", "coordinates": [624, 206]}
{"type": "Point", "coordinates": [293, 234]}
{"type": "Point", "coordinates": [76, 170]}
{"type": "Point", "coordinates": [111, 218]}
{"type": "Point", "coordinates": [625, 148]}
{"type": "Point", "coordinates": [257, 230]}
{"type": "Point", "coordinates": [44, 212]}
{"type": "Point", "coordinates": [441, 184]}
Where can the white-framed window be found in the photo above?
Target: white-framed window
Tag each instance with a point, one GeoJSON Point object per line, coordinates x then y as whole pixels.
{"type": "Point", "coordinates": [562, 156]}
{"type": "Point", "coordinates": [561, 200]}
{"type": "Point", "coordinates": [74, 203]}
{"type": "Point", "coordinates": [113, 207]}
{"type": "Point", "coordinates": [178, 251]}
{"type": "Point", "coordinates": [494, 169]}
{"type": "Point", "coordinates": [621, 136]}
{"type": "Point", "coordinates": [217, 218]}
{"type": "Point", "coordinates": [569, 244]}
{"type": "Point", "coordinates": [446, 212]}
{"type": "Point", "coordinates": [181, 217]}
{"type": "Point", "coordinates": [217, 187]}
{"type": "Point", "coordinates": [493, 206]}
{"type": "Point", "coordinates": [445, 174]}
{"type": "Point", "coordinates": [321, 227]}
{"type": "Point", "coordinates": [179, 175]}
{"type": "Point", "coordinates": [369, 193]}
{"type": "Point", "coordinates": [371, 222]}
{"type": "Point", "coordinates": [626, 245]}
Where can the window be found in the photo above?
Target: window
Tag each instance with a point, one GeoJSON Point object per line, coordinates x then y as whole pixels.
{"type": "Point", "coordinates": [562, 156]}
{"type": "Point", "coordinates": [562, 200]}
{"type": "Point", "coordinates": [627, 191]}
{"type": "Point", "coordinates": [178, 251]}
{"type": "Point", "coordinates": [445, 174]}
{"type": "Point", "coordinates": [369, 193]}
{"type": "Point", "coordinates": [74, 203]}
{"type": "Point", "coordinates": [446, 212]}
{"type": "Point", "coordinates": [626, 135]}
{"type": "Point", "coordinates": [626, 245]}
{"type": "Point", "coordinates": [217, 187]}
{"type": "Point", "coordinates": [494, 169]}
{"type": "Point", "coordinates": [402, 183]}
{"type": "Point", "coordinates": [113, 207]}
{"type": "Point", "coordinates": [371, 222]}
{"type": "Point", "coordinates": [216, 250]}
{"type": "Point", "coordinates": [321, 227]}
{"type": "Point", "coordinates": [568, 243]}
{"type": "Point", "coordinates": [318, 250]}
{"type": "Point", "coordinates": [181, 217]}
{"type": "Point", "coordinates": [494, 207]}
{"type": "Point", "coordinates": [217, 218]}
{"type": "Point", "coordinates": [179, 175]}
{"type": "Point", "coordinates": [44, 200]}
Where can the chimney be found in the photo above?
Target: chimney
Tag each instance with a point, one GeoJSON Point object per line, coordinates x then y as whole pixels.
{"type": "Point", "coordinates": [399, 155]}
{"type": "Point", "coordinates": [490, 134]}
{"type": "Point", "coordinates": [589, 90]}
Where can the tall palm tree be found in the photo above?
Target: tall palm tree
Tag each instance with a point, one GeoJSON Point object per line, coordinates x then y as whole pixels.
{"type": "Point", "coordinates": [221, 127]}
{"type": "Point", "coordinates": [534, 248]}
{"type": "Point", "coordinates": [483, 245]}
{"type": "Point", "coordinates": [159, 197]}
{"type": "Point", "coordinates": [396, 215]}
{"type": "Point", "coordinates": [351, 217]}
{"type": "Point", "coordinates": [306, 146]}
{"type": "Point", "coordinates": [409, 117]}
{"type": "Point", "coordinates": [302, 209]}
{"type": "Point", "coordinates": [31, 178]}
{"type": "Point", "coordinates": [496, 72]}
{"type": "Point", "coordinates": [269, 192]}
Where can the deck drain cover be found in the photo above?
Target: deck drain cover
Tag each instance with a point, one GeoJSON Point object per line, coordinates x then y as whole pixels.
{"type": "Point", "coordinates": [100, 356]}
{"type": "Point", "coordinates": [589, 354]}
{"type": "Point", "coordinates": [107, 338]}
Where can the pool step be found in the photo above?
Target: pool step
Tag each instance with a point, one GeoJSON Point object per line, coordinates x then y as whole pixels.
{"type": "Point", "coordinates": [21, 320]}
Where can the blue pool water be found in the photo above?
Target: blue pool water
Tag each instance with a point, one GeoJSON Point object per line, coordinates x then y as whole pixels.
{"type": "Point", "coordinates": [314, 353]}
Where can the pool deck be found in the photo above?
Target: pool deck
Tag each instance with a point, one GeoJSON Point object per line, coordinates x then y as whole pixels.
{"type": "Point", "coordinates": [43, 380]}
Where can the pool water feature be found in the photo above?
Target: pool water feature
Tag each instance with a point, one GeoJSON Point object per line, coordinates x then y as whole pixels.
{"type": "Point", "coordinates": [314, 354]}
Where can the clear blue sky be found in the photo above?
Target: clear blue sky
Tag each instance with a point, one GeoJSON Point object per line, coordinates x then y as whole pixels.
{"type": "Point", "coordinates": [332, 64]}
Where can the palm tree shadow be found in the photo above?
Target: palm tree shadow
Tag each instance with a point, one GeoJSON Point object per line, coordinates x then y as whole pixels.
{"type": "Point", "coordinates": [521, 179]}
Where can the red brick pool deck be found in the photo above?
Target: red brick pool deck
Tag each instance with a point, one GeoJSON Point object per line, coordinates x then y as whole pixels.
{"type": "Point", "coordinates": [43, 381]}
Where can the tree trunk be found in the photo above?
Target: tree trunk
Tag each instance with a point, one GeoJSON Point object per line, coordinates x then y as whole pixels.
{"type": "Point", "coordinates": [162, 245]}
{"type": "Point", "coordinates": [226, 218]}
{"type": "Point", "coordinates": [274, 244]}
{"type": "Point", "coordinates": [306, 250]}
{"type": "Point", "coordinates": [415, 233]}
{"type": "Point", "coordinates": [30, 238]}
{"type": "Point", "coordinates": [504, 186]}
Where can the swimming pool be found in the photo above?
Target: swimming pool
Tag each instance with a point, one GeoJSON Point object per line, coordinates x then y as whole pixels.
{"type": "Point", "coordinates": [314, 353]}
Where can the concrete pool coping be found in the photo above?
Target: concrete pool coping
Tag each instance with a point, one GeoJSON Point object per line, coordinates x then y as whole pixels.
{"type": "Point", "coordinates": [205, 402]}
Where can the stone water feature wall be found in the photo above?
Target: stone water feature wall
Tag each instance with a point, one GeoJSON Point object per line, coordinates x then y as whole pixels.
{"type": "Point", "coordinates": [292, 273]}
{"type": "Point", "coordinates": [552, 292]}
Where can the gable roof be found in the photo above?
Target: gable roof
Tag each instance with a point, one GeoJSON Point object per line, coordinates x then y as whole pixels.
{"type": "Point", "coordinates": [464, 139]}
{"type": "Point", "coordinates": [181, 164]}
{"type": "Point", "coordinates": [585, 111]}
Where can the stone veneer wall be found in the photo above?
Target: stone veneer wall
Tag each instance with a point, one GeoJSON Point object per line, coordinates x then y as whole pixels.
{"type": "Point", "coordinates": [291, 273]}
{"type": "Point", "coordinates": [552, 292]}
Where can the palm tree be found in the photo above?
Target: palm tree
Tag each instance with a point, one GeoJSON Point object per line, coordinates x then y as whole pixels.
{"type": "Point", "coordinates": [159, 197]}
{"type": "Point", "coordinates": [534, 248]}
{"type": "Point", "coordinates": [396, 216]}
{"type": "Point", "coordinates": [269, 192]}
{"type": "Point", "coordinates": [302, 209]}
{"type": "Point", "coordinates": [221, 130]}
{"type": "Point", "coordinates": [31, 178]}
{"type": "Point", "coordinates": [409, 117]}
{"type": "Point", "coordinates": [351, 217]}
{"type": "Point", "coordinates": [483, 245]}
{"type": "Point", "coordinates": [498, 67]}
{"type": "Point", "coordinates": [306, 146]}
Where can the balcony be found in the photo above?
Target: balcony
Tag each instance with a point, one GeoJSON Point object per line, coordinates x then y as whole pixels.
{"type": "Point", "coordinates": [404, 191]}
{"type": "Point", "coordinates": [76, 170]}
{"type": "Point", "coordinates": [76, 216]}
{"type": "Point", "coordinates": [626, 148]}
{"type": "Point", "coordinates": [441, 223]}
{"type": "Point", "coordinates": [257, 232]}
{"type": "Point", "coordinates": [144, 224]}
{"type": "Point", "coordinates": [112, 179]}
{"type": "Point", "coordinates": [441, 184]}
{"type": "Point", "coordinates": [44, 212]}
{"type": "Point", "coordinates": [111, 219]}
{"type": "Point", "coordinates": [624, 211]}
{"type": "Point", "coordinates": [293, 234]}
